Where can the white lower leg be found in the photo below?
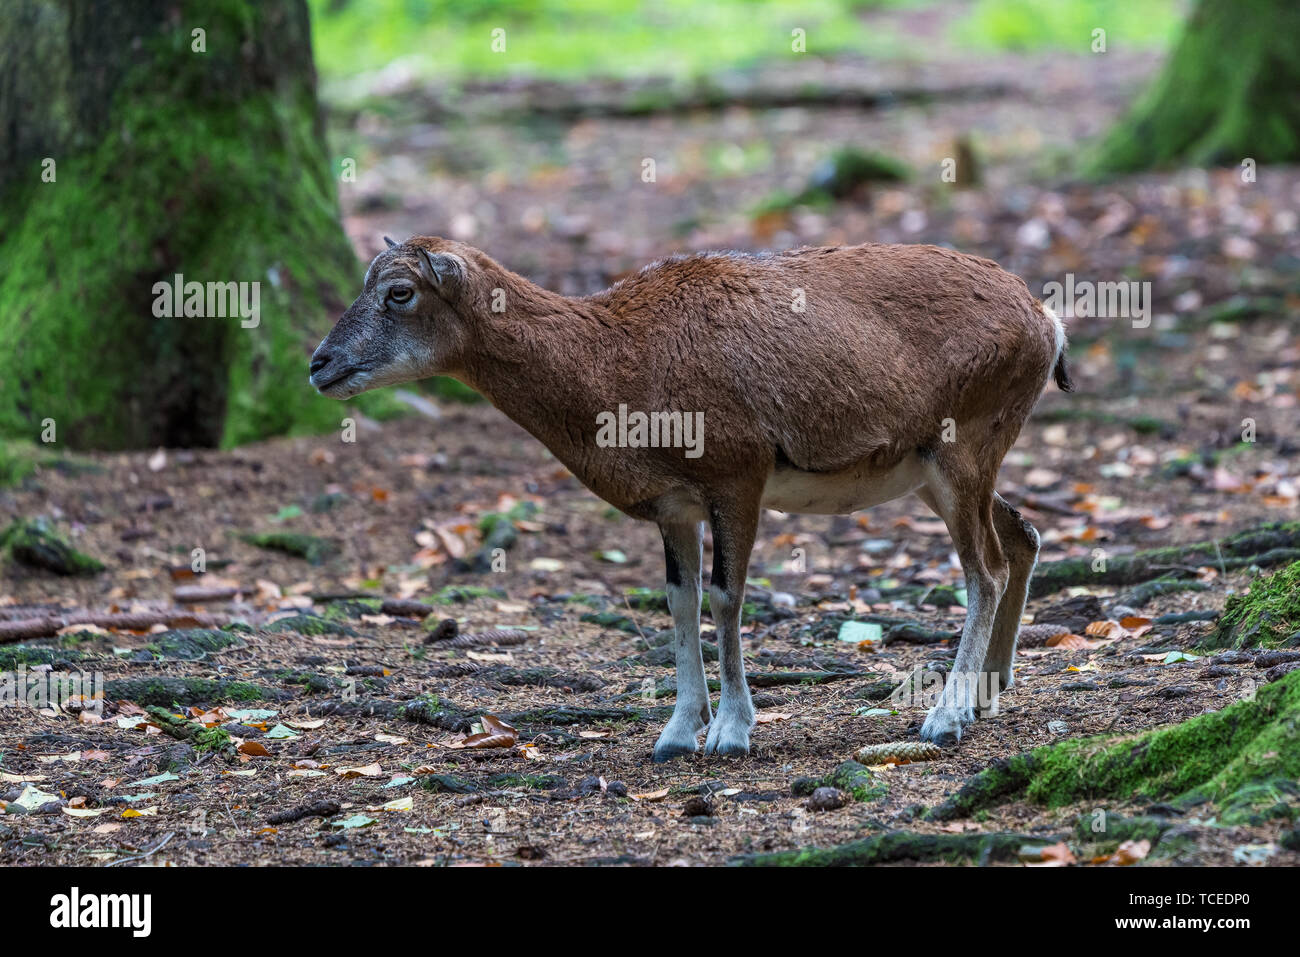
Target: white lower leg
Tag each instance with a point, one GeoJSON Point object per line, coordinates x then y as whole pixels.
{"type": "Point", "coordinates": [691, 712]}
{"type": "Point", "coordinates": [967, 685]}
{"type": "Point", "coordinates": [729, 732]}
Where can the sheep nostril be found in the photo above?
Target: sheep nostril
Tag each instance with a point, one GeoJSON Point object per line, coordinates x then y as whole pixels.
{"type": "Point", "coordinates": [319, 362]}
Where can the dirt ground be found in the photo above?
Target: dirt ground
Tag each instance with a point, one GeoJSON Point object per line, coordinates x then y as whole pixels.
{"type": "Point", "coordinates": [571, 806]}
{"type": "Point", "coordinates": [1147, 452]}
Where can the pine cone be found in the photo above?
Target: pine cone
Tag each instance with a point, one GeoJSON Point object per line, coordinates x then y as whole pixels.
{"type": "Point", "coordinates": [492, 636]}
{"type": "Point", "coordinates": [897, 752]}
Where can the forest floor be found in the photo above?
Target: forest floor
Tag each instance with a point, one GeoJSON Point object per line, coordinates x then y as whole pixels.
{"type": "Point", "coordinates": [1148, 452]}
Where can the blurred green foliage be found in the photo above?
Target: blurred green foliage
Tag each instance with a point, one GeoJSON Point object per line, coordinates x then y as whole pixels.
{"type": "Point", "coordinates": [581, 37]}
{"type": "Point", "coordinates": [685, 38]}
{"type": "Point", "coordinates": [1068, 24]}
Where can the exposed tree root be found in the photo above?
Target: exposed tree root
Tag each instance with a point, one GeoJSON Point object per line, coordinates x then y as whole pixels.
{"type": "Point", "coordinates": [900, 846]}
{"type": "Point", "coordinates": [1266, 616]}
{"type": "Point", "coordinates": [441, 713]}
{"type": "Point", "coordinates": [50, 625]}
{"type": "Point", "coordinates": [202, 738]}
{"type": "Point", "coordinates": [314, 809]}
{"type": "Point", "coordinates": [1270, 544]}
{"type": "Point", "coordinates": [188, 691]}
{"type": "Point", "coordinates": [1209, 757]}
{"type": "Point", "coordinates": [35, 543]}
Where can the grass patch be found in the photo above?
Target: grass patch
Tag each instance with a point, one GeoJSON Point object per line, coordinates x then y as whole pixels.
{"type": "Point", "coordinates": [574, 38]}
{"type": "Point", "coordinates": [1068, 24]}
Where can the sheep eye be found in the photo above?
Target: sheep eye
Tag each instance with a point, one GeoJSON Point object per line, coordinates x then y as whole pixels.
{"type": "Point", "coordinates": [400, 294]}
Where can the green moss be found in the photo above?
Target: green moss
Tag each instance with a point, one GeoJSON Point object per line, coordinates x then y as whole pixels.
{"type": "Point", "coordinates": [309, 625]}
{"type": "Point", "coordinates": [647, 599]}
{"type": "Point", "coordinates": [17, 461]}
{"type": "Point", "coordinates": [899, 846]}
{"type": "Point", "coordinates": [1209, 757]}
{"type": "Point", "coordinates": [609, 619]}
{"type": "Point", "coordinates": [192, 644]}
{"type": "Point", "coordinates": [1104, 832]}
{"type": "Point", "coordinates": [1264, 617]}
{"type": "Point", "coordinates": [187, 691]}
{"type": "Point", "coordinates": [656, 599]}
{"type": "Point", "coordinates": [852, 777]}
{"type": "Point", "coordinates": [446, 784]}
{"type": "Point", "coordinates": [203, 739]}
{"type": "Point", "coordinates": [430, 709]}
{"type": "Point", "coordinates": [1259, 803]}
{"type": "Point", "coordinates": [351, 609]}
{"type": "Point", "coordinates": [459, 595]}
{"type": "Point", "coordinates": [36, 544]}
{"type": "Point", "coordinates": [1226, 92]}
{"type": "Point", "coordinates": [312, 682]}
{"type": "Point", "coordinates": [1273, 543]}
{"type": "Point", "coordinates": [16, 655]}
{"type": "Point", "coordinates": [313, 548]}
{"type": "Point", "coordinates": [1141, 424]}
{"type": "Point", "coordinates": [207, 167]}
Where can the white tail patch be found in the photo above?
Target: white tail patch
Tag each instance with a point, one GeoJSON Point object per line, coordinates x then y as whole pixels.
{"type": "Point", "coordinates": [1060, 328]}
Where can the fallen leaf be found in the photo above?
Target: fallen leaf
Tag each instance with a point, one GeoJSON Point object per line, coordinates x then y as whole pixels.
{"type": "Point", "coordinates": [356, 820]}
{"type": "Point", "coordinates": [1130, 852]}
{"type": "Point", "coordinates": [1054, 855]}
{"type": "Point", "coordinates": [496, 734]}
{"type": "Point", "coordinates": [399, 804]}
{"type": "Point", "coordinates": [1071, 642]}
{"type": "Point", "coordinates": [651, 795]}
{"type": "Point", "coordinates": [367, 771]}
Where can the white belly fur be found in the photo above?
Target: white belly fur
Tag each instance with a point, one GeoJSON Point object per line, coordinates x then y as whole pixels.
{"type": "Point", "coordinates": [838, 493]}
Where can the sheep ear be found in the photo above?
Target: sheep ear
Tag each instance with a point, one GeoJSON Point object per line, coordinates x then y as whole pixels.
{"type": "Point", "coordinates": [442, 269]}
{"type": "Point", "coordinates": [391, 244]}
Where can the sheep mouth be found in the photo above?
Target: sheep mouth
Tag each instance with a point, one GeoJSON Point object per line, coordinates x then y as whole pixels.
{"type": "Point", "coordinates": [337, 379]}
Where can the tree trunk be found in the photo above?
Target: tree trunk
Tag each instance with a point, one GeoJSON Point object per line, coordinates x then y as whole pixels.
{"type": "Point", "coordinates": [1226, 94]}
{"type": "Point", "coordinates": [138, 142]}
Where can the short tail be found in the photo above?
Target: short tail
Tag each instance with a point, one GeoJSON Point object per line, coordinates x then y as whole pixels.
{"type": "Point", "coordinates": [1060, 371]}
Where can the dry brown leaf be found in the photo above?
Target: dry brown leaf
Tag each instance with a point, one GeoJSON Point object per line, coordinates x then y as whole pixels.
{"type": "Point", "coordinates": [1055, 855]}
{"type": "Point", "coordinates": [1130, 852]}
{"type": "Point", "coordinates": [651, 795]}
{"type": "Point", "coordinates": [1071, 642]}
{"type": "Point", "coordinates": [368, 771]}
{"type": "Point", "coordinates": [254, 748]}
{"type": "Point", "coordinates": [496, 734]}
{"type": "Point", "coordinates": [1104, 629]}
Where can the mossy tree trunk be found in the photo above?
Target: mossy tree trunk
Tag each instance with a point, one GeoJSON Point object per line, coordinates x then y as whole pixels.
{"type": "Point", "coordinates": [141, 141]}
{"type": "Point", "coordinates": [1227, 93]}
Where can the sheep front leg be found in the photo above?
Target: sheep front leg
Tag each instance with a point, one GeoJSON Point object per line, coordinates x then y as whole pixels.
{"type": "Point", "coordinates": [691, 715]}
{"type": "Point", "coordinates": [734, 527]}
